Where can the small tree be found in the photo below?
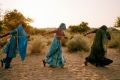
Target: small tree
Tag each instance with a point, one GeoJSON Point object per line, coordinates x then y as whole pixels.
{"type": "Point", "coordinates": [82, 27]}
{"type": "Point", "coordinates": [1, 22]}
{"type": "Point", "coordinates": [0, 26]}
{"type": "Point", "coordinates": [117, 23]}
{"type": "Point", "coordinates": [13, 18]}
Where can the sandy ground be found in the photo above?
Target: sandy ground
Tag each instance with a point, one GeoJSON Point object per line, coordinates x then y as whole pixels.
{"type": "Point", "coordinates": [74, 69]}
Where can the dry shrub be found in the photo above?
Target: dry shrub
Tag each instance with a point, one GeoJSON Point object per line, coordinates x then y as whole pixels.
{"type": "Point", "coordinates": [49, 42]}
{"type": "Point", "coordinates": [35, 31]}
{"type": "Point", "coordinates": [36, 46]}
{"type": "Point", "coordinates": [115, 41]}
{"type": "Point", "coordinates": [78, 43]}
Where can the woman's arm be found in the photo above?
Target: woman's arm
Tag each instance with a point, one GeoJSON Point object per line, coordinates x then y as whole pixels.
{"type": "Point", "coordinates": [11, 32]}
{"type": "Point", "coordinates": [4, 35]}
{"type": "Point", "coordinates": [64, 36]}
{"type": "Point", "coordinates": [108, 35]}
{"type": "Point", "coordinates": [54, 31]}
{"type": "Point", "coordinates": [94, 31]}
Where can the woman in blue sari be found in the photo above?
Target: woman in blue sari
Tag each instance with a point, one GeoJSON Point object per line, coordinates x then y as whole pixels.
{"type": "Point", "coordinates": [54, 56]}
{"type": "Point", "coordinates": [17, 43]}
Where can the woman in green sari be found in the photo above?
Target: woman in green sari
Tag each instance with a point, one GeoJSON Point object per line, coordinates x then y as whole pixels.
{"type": "Point", "coordinates": [97, 54]}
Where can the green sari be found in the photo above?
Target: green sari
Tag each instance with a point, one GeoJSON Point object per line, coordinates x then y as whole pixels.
{"type": "Point", "coordinates": [98, 51]}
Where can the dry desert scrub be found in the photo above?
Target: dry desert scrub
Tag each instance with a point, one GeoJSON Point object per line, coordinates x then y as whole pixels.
{"type": "Point", "coordinates": [115, 39]}
{"type": "Point", "coordinates": [36, 45]}
{"type": "Point", "coordinates": [78, 43]}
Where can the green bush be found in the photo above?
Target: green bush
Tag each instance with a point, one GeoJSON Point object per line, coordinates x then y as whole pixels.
{"type": "Point", "coordinates": [82, 27]}
{"type": "Point", "coordinates": [35, 31]}
{"type": "Point", "coordinates": [78, 43]}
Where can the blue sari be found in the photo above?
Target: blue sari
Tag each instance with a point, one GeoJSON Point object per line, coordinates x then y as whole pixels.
{"type": "Point", "coordinates": [17, 43]}
{"type": "Point", "coordinates": [54, 57]}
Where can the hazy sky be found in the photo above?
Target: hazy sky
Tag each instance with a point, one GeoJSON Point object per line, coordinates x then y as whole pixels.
{"type": "Point", "coordinates": [50, 13]}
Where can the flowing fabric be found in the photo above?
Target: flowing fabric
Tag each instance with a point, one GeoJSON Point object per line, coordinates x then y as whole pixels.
{"type": "Point", "coordinates": [54, 56]}
{"type": "Point", "coordinates": [17, 43]}
{"type": "Point", "coordinates": [1, 58]}
{"type": "Point", "coordinates": [97, 55]}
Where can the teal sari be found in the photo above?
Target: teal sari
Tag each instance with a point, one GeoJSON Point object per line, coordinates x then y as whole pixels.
{"type": "Point", "coordinates": [17, 43]}
{"type": "Point", "coordinates": [54, 57]}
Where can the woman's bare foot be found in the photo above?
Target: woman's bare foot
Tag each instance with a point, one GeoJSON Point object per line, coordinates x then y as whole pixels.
{"type": "Point", "coordinates": [2, 63]}
{"type": "Point", "coordinates": [85, 63]}
{"type": "Point", "coordinates": [44, 63]}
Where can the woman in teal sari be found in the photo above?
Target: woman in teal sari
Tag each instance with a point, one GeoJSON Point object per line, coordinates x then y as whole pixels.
{"type": "Point", "coordinates": [17, 43]}
{"type": "Point", "coordinates": [54, 56]}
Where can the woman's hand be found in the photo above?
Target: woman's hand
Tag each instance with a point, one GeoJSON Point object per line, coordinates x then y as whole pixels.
{"type": "Point", "coordinates": [85, 34]}
{"type": "Point", "coordinates": [65, 37]}
{"type": "Point", "coordinates": [0, 36]}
